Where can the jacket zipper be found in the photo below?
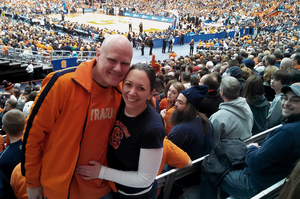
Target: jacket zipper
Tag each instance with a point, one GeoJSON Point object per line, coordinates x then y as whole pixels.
{"type": "Point", "coordinates": [84, 126]}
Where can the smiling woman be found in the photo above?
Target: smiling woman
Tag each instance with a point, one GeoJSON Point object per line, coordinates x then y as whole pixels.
{"type": "Point", "coordinates": [136, 91]}
{"type": "Point", "coordinates": [136, 141]}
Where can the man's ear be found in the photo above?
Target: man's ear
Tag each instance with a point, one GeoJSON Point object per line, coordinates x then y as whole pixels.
{"type": "Point", "coordinates": [221, 93]}
{"type": "Point", "coordinates": [97, 54]}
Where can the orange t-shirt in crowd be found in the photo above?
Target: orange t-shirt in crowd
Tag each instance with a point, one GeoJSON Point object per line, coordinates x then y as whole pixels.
{"type": "Point", "coordinates": [49, 48]}
{"type": "Point", "coordinates": [163, 104]}
{"type": "Point", "coordinates": [172, 55]}
{"type": "Point", "coordinates": [17, 182]}
{"type": "Point", "coordinates": [173, 156]}
{"type": "Point", "coordinates": [297, 66]}
{"type": "Point", "coordinates": [200, 44]}
{"type": "Point", "coordinates": [167, 118]}
{"type": "Point", "coordinates": [255, 61]}
{"type": "Point", "coordinates": [1, 143]}
{"type": "Point", "coordinates": [7, 140]}
{"type": "Point", "coordinates": [5, 50]}
{"type": "Point", "coordinates": [101, 116]}
{"type": "Point", "coordinates": [154, 102]}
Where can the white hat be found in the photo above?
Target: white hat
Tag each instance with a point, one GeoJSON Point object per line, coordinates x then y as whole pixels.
{"type": "Point", "coordinates": [26, 108]}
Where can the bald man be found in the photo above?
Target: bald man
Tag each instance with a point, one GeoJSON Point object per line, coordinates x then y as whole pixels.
{"type": "Point", "coordinates": [70, 123]}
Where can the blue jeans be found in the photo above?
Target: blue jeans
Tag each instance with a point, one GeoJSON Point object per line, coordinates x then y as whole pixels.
{"type": "Point", "coordinates": [236, 183]}
{"type": "Point", "coordinates": [152, 194]}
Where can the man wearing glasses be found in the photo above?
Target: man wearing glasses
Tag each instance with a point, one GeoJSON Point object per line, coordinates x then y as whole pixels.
{"type": "Point", "coordinates": [274, 158]}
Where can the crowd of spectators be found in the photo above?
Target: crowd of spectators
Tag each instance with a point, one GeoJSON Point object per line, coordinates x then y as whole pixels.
{"type": "Point", "coordinates": [258, 16]}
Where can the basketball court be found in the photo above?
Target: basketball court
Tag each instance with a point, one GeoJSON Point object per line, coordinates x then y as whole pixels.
{"type": "Point", "coordinates": [121, 23]}
{"type": "Point", "coordinates": [113, 22]}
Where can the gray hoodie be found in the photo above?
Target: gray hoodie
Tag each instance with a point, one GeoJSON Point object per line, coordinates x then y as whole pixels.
{"type": "Point", "coordinates": [233, 120]}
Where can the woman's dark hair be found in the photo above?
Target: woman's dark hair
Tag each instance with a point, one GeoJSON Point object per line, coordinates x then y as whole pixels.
{"type": "Point", "coordinates": [203, 71]}
{"type": "Point", "coordinates": [253, 86]}
{"type": "Point", "coordinates": [159, 85]}
{"type": "Point", "coordinates": [239, 58]}
{"type": "Point", "coordinates": [177, 75]}
{"type": "Point", "coordinates": [182, 68]}
{"type": "Point", "coordinates": [167, 78]}
{"type": "Point", "coordinates": [160, 76]}
{"type": "Point", "coordinates": [295, 75]}
{"type": "Point", "coordinates": [31, 96]}
{"type": "Point", "coordinates": [194, 81]}
{"type": "Point", "coordinates": [16, 93]}
{"type": "Point", "coordinates": [149, 71]}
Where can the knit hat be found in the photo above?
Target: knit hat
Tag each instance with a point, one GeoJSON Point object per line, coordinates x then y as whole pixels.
{"type": "Point", "coordinates": [7, 85]}
{"type": "Point", "coordinates": [235, 71]}
{"type": "Point", "coordinates": [249, 63]}
{"type": "Point", "coordinates": [294, 87]}
{"type": "Point", "coordinates": [195, 94]}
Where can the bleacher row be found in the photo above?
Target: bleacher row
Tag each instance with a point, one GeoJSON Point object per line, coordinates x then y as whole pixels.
{"type": "Point", "coordinates": [13, 65]}
{"type": "Point", "coordinates": [55, 26]}
{"type": "Point", "coordinates": [42, 56]}
{"type": "Point", "coordinates": [13, 61]}
{"type": "Point", "coordinates": [168, 179]}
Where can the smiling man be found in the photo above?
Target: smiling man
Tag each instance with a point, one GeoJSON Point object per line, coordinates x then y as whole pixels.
{"type": "Point", "coordinates": [70, 123]}
{"type": "Point", "coordinates": [273, 160]}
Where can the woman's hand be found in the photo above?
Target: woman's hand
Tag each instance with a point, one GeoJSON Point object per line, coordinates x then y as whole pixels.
{"type": "Point", "coordinates": [163, 112]}
{"type": "Point", "coordinates": [89, 172]}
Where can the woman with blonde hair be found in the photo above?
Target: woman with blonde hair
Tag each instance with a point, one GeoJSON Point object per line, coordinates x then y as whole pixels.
{"type": "Point", "coordinates": [172, 93]}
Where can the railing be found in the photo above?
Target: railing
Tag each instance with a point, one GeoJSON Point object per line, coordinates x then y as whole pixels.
{"type": "Point", "coordinates": [167, 179]}
{"type": "Point", "coordinates": [271, 192]}
{"type": "Point", "coordinates": [42, 56]}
